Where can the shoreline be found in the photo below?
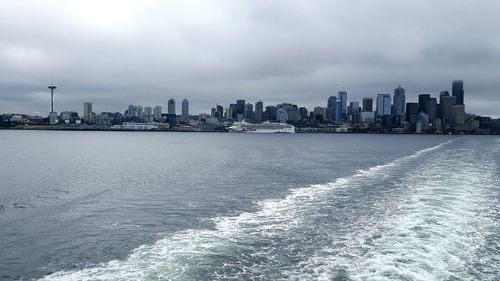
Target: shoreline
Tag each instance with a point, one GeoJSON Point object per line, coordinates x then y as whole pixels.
{"type": "Point", "coordinates": [225, 131]}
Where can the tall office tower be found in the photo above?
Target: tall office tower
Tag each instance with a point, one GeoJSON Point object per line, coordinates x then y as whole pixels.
{"type": "Point", "coordinates": [431, 109]}
{"type": "Point", "coordinates": [140, 112]}
{"type": "Point", "coordinates": [330, 108]}
{"type": "Point", "coordinates": [219, 111]}
{"type": "Point", "coordinates": [248, 114]}
{"type": "Point", "coordinates": [457, 114]}
{"type": "Point", "coordinates": [411, 110]}
{"type": "Point", "coordinates": [303, 112]}
{"type": "Point", "coordinates": [157, 113]}
{"type": "Point", "coordinates": [171, 106]}
{"type": "Point", "coordinates": [399, 101]}
{"type": "Point", "coordinates": [354, 107]}
{"type": "Point", "coordinates": [87, 112]}
{"type": "Point", "coordinates": [259, 109]}
{"type": "Point", "coordinates": [148, 114]}
{"type": "Point", "coordinates": [422, 101]}
{"type": "Point", "coordinates": [383, 105]}
{"type": "Point", "coordinates": [331, 102]}
{"type": "Point", "coordinates": [446, 105]}
{"type": "Point", "coordinates": [367, 104]}
{"type": "Point", "coordinates": [132, 111]}
{"type": "Point", "coordinates": [185, 108]}
{"type": "Point", "coordinates": [271, 112]}
{"type": "Point", "coordinates": [240, 108]}
{"type": "Point", "coordinates": [457, 90]}
{"type": "Point", "coordinates": [342, 95]}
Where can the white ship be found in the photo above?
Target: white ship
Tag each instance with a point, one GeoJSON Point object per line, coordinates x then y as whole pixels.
{"type": "Point", "coordinates": [266, 127]}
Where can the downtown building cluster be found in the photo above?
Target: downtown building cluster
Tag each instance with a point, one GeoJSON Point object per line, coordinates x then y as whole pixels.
{"type": "Point", "coordinates": [444, 113]}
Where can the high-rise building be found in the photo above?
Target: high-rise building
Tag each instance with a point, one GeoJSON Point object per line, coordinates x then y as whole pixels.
{"type": "Point", "coordinates": [399, 101]}
{"type": "Point", "coordinates": [259, 109]}
{"type": "Point", "coordinates": [132, 111]}
{"type": "Point", "coordinates": [140, 112]}
{"type": "Point", "coordinates": [411, 111]}
{"type": "Point", "coordinates": [330, 108]}
{"type": "Point", "coordinates": [342, 95]}
{"type": "Point", "coordinates": [148, 114]}
{"type": "Point", "coordinates": [303, 112]}
{"type": "Point", "coordinates": [87, 112]}
{"type": "Point", "coordinates": [248, 114]}
{"type": "Point", "coordinates": [422, 101]}
{"type": "Point", "coordinates": [383, 105]}
{"type": "Point", "coordinates": [271, 112]}
{"type": "Point", "coordinates": [446, 105]}
{"type": "Point", "coordinates": [171, 106]}
{"type": "Point", "coordinates": [157, 113]}
{"type": "Point", "coordinates": [185, 108]}
{"type": "Point", "coordinates": [240, 108]}
{"type": "Point", "coordinates": [457, 90]}
{"type": "Point", "coordinates": [281, 115]}
{"type": "Point", "coordinates": [431, 109]}
{"type": "Point", "coordinates": [367, 104]}
{"type": "Point", "coordinates": [457, 114]}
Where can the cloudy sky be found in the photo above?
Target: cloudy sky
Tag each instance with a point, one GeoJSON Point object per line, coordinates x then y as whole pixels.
{"type": "Point", "coordinates": [117, 52]}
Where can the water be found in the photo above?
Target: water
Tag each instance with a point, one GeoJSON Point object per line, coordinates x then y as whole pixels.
{"type": "Point", "coordinates": [182, 206]}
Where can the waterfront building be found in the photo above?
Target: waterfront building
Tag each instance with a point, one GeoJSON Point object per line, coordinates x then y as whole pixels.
{"type": "Point", "coordinates": [399, 101]}
{"type": "Point", "coordinates": [367, 104]}
{"type": "Point", "coordinates": [140, 112]}
{"type": "Point", "coordinates": [240, 108]}
{"type": "Point", "coordinates": [185, 108]}
{"type": "Point", "coordinates": [411, 111]}
{"type": "Point", "coordinates": [271, 112]}
{"type": "Point", "coordinates": [132, 111]}
{"type": "Point", "coordinates": [148, 114]}
{"type": "Point", "coordinates": [446, 109]}
{"type": "Point", "coordinates": [259, 110]}
{"type": "Point", "coordinates": [383, 105]}
{"type": "Point", "coordinates": [87, 112]}
{"type": "Point", "coordinates": [422, 102]}
{"type": "Point", "coordinates": [331, 108]}
{"type": "Point", "coordinates": [367, 116]}
{"type": "Point", "coordinates": [303, 112]}
{"type": "Point", "coordinates": [319, 113]}
{"type": "Point", "coordinates": [457, 90]}
{"type": "Point", "coordinates": [171, 106]}
{"type": "Point", "coordinates": [248, 114]}
{"type": "Point", "coordinates": [457, 115]}
{"type": "Point", "coordinates": [342, 96]}
{"type": "Point", "coordinates": [431, 109]}
{"type": "Point", "coordinates": [157, 113]}
{"type": "Point", "coordinates": [282, 115]}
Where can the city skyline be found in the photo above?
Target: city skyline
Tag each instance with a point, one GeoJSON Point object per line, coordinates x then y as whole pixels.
{"type": "Point", "coordinates": [146, 52]}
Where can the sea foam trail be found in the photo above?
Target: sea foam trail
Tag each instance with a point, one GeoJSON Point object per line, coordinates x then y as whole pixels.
{"type": "Point", "coordinates": [239, 247]}
{"type": "Point", "coordinates": [437, 232]}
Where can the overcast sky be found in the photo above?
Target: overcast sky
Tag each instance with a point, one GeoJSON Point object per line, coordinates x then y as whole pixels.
{"type": "Point", "coordinates": [117, 52]}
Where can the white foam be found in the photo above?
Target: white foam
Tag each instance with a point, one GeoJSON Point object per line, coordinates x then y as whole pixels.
{"type": "Point", "coordinates": [175, 256]}
{"type": "Point", "coordinates": [434, 234]}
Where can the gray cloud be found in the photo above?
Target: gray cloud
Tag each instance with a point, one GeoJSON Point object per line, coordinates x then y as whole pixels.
{"type": "Point", "coordinates": [116, 53]}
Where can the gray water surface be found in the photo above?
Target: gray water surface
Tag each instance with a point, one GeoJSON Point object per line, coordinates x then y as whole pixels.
{"type": "Point", "coordinates": [189, 206]}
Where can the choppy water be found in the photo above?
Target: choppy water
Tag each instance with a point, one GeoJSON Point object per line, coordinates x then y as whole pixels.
{"type": "Point", "coordinates": [128, 206]}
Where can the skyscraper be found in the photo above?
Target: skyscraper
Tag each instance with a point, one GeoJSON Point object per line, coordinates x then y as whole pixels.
{"type": "Point", "coordinates": [342, 95]}
{"type": "Point", "coordinates": [148, 114]}
{"type": "Point", "coordinates": [330, 108]}
{"type": "Point", "coordinates": [259, 109]}
{"type": "Point", "coordinates": [248, 114]}
{"type": "Point", "coordinates": [157, 113]}
{"type": "Point", "coordinates": [399, 100]}
{"type": "Point", "coordinates": [185, 108]}
{"type": "Point", "coordinates": [367, 104]}
{"type": "Point", "coordinates": [411, 111]}
{"type": "Point", "coordinates": [383, 105]}
{"type": "Point", "coordinates": [422, 101]}
{"type": "Point", "coordinates": [431, 109]}
{"type": "Point", "coordinates": [171, 106]}
{"type": "Point", "coordinates": [87, 112]}
{"type": "Point", "coordinates": [457, 90]}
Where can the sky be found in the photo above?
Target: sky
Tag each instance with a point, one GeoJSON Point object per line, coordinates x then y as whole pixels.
{"type": "Point", "coordinates": [117, 52]}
